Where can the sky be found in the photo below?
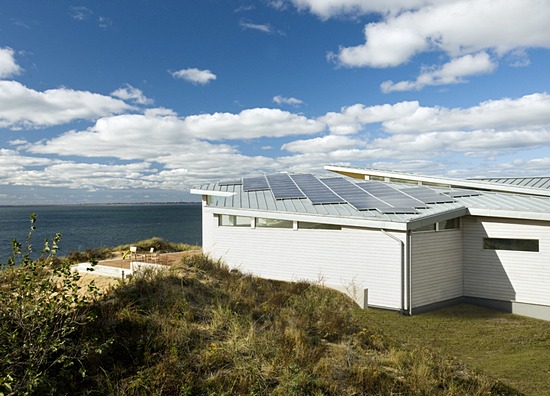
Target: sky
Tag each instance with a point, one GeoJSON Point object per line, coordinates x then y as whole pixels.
{"type": "Point", "coordinates": [139, 101]}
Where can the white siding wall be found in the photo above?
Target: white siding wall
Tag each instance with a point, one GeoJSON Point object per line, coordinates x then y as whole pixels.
{"type": "Point", "coordinates": [503, 274]}
{"type": "Point", "coordinates": [436, 266]}
{"type": "Point", "coordinates": [339, 259]}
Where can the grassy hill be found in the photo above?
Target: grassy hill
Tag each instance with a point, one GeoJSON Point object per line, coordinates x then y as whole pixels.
{"type": "Point", "coordinates": [201, 329]}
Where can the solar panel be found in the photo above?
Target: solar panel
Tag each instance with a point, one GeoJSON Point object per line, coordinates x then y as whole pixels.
{"type": "Point", "coordinates": [255, 184]}
{"type": "Point", "coordinates": [354, 195]}
{"type": "Point", "coordinates": [462, 193]}
{"type": "Point", "coordinates": [230, 182]}
{"type": "Point", "coordinates": [393, 197]}
{"type": "Point", "coordinates": [317, 192]}
{"type": "Point", "coordinates": [427, 195]}
{"type": "Point", "coordinates": [283, 187]}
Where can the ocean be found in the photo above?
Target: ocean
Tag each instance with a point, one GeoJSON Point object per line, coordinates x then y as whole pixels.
{"type": "Point", "coordinates": [89, 226]}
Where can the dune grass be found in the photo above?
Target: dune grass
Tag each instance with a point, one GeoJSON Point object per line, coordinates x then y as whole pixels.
{"type": "Point", "coordinates": [512, 348]}
{"type": "Point", "coordinates": [200, 329]}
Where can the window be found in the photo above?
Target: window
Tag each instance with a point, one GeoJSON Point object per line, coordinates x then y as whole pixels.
{"type": "Point", "coordinates": [449, 224]}
{"type": "Point", "coordinates": [235, 221]}
{"type": "Point", "coordinates": [317, 226]}
{"type": "Point", "coordinates": [522, 245]}
{"type": "Point", "coordinates": [274, 223]}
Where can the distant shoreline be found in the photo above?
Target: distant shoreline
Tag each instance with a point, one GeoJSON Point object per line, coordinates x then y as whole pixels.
{"type": "Point", "coordinates": [102, 204]}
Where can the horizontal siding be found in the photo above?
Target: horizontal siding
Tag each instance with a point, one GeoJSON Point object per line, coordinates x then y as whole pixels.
{"type": "Point", "coordinates": [342, 259]}
{"type": "Point", "coordinates": [506, 275]}
{"type": "Point", "coordinates": [436, 266]}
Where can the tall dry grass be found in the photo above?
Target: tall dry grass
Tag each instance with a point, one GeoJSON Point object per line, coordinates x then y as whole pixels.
{"type": "Point", "coordinates": [200, 329]}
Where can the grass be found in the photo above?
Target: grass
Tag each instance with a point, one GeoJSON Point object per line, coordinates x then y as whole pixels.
{"type": "Point", "coordinates": [512, 348]}
{"type": "Point", "coordinates": [102, 253]}
{"type": "Point", "coordinates": [200, 329]}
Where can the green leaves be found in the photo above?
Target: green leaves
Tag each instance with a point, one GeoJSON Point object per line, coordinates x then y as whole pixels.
{"type": "Point", "coordinates": [43, 314]}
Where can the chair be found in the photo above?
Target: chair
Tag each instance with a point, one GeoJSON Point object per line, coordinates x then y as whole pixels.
{"type": "Point", "coordinates": [153, 256]}
{"type": "Point", "coordinates": [133, 253]}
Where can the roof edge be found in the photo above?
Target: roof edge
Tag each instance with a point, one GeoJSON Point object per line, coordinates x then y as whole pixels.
{"type": "Point", "coordinates": [361, 173]}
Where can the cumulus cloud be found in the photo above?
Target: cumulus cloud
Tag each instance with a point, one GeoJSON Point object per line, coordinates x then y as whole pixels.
{"type": "Point", "coordinates": [133, 94]}
{"type": "Point", "coordinates": [457, 28]}
{"type": "Point", "coordinates": [24, 107]}
{"type": "Point", "coordinates": [281, 100]}
{"type": "Point", "coordinates": [8, 66]}
{"type": "Point", "coordinates": [323, 144]}
{"type": "Point", "coordinates": [159, 132]}
{"type": "Point", "coordinates": [330, 8]}
{"type": "Point", "coordinates": [527, 112]}
{"type": "Point", "coordinates": [195, 76]}
{"type": "Point", "coordinates": [453, 72]}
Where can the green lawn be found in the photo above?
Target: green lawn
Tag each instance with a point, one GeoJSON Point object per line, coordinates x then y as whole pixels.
{"type": "Point", "coordinates": [509, 347]}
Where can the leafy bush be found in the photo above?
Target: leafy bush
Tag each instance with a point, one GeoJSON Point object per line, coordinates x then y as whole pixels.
{"type": "Point", "coordinates": [43, 314]}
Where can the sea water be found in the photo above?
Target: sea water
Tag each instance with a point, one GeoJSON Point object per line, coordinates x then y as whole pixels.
{"type": "Point", "coordinates": [89, 226]}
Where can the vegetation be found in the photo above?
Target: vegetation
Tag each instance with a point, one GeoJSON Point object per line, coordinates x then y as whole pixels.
{"type": "Point", "coordinates": [510, 347]}
{"type": "Point", "coordinates": [103, 253]}
{"type": "Point", "coordinates": [200, 329]}
{"type": "Point", "coordinates": [43, 315]}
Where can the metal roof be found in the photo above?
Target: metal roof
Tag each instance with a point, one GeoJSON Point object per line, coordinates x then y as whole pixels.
{"type": "Point", "coordinates": [532, 182]}
{"type": "Point", "coordinates": [234, 196]}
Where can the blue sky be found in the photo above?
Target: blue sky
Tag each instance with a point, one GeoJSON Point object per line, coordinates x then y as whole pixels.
{"type": "Point", "coordinates": [133, 101]}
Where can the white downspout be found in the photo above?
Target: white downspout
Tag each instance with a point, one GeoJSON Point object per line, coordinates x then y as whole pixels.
{"type": "Point", "coordinates": [402, 246]}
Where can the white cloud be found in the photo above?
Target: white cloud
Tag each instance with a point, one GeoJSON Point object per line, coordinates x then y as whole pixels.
{"type": "Point", "coordinates": [457, 28]}
{"type": "Point", "coordinates": [264, 28]}
{"type": "Point", "coordinates": [453, 72]}
{"type": "Point", "coordinates": [129, 92]}
{"type": "Point", "coordinates": [194, 75]}
{"type": "Point", "coordinates": [81, 13]}
{"type": "Point", "coordinates": [159, 132]}
{"type": "Point", "coordinates": [8, 66]}
{"type": "Point", "coordinates": [330, 8]}
{"type": "Point", "coordinates": [527, 112]}
{"type": "Point", "coordinates": [280, 100]}
{"type": "Point", "coordinates": [24, 107]}
{"type": "Point", "coordinates": [323, 144]}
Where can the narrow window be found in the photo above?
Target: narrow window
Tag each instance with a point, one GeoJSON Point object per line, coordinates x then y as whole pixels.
{"type": "Point", "coordinates": [317, 226]}
{"type": "Point", "coordinates": [273, 223]}
{"type": "Point", "coordinates": [235, 221]}
{"type": "Point", "coordinates": [449, 224]}
{"type": "Point", "coordinates": [522, 245]}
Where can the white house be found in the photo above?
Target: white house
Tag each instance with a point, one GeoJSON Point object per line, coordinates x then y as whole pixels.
{"type": "Point", "coordinates": [390, 240]}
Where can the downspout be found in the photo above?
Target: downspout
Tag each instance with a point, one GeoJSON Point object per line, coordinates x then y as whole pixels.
{"type": "Point", "coordinates": [409, 269]}
{"type": "Point", "coordinates": [402, 245]}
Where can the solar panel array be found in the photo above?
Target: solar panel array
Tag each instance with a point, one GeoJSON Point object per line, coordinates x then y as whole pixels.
{"type": "Point", "coordinates": [255, 184]}
{"type": "Point", "coordinates": [462, 193]}
{"type": "Point", "coordinates": [390, 195]}
{"type": "Point", "coordinates": [317, 192]}
{"type": "Point", "coordinates": [364, 195]}
{"type": "Point", "coordinates": [427, 195]}
{"type": "Point", "coordinates": [354, 195]}
{"type": "Point", "coordinates": [230, 182]}
{"type": "Point", "coordinates": [283, 187]}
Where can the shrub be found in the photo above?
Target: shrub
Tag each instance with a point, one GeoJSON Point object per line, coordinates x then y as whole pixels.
{"type": "Point", "coordinates": [42, 316]}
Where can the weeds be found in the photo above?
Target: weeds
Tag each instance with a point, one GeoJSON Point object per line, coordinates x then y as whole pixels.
{"type": "Point", "coordinates": [199, 328]}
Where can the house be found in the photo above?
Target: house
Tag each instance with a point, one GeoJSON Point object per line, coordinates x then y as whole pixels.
{"type": "Point", "coordinates": [390, 240]}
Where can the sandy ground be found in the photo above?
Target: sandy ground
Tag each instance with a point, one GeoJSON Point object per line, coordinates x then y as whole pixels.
{"type": "Point", "coordinates": [104, 283]}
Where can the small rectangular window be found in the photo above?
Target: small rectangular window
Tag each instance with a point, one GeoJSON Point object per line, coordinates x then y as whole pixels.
{"type": "Point", "coordinates": [522, 245]}
{"type": "Point", "coordinates": [273, 223]}
{"type": "Point", "coordinates": [449, 224]}
{"type": "Point", "coordinates": [317, 226]}
{"type": "Point", "coordinates": [235, 221]}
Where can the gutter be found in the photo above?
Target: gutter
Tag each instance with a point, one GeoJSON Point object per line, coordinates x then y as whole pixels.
{"type": "Point", "coordinates": [402, 246]}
